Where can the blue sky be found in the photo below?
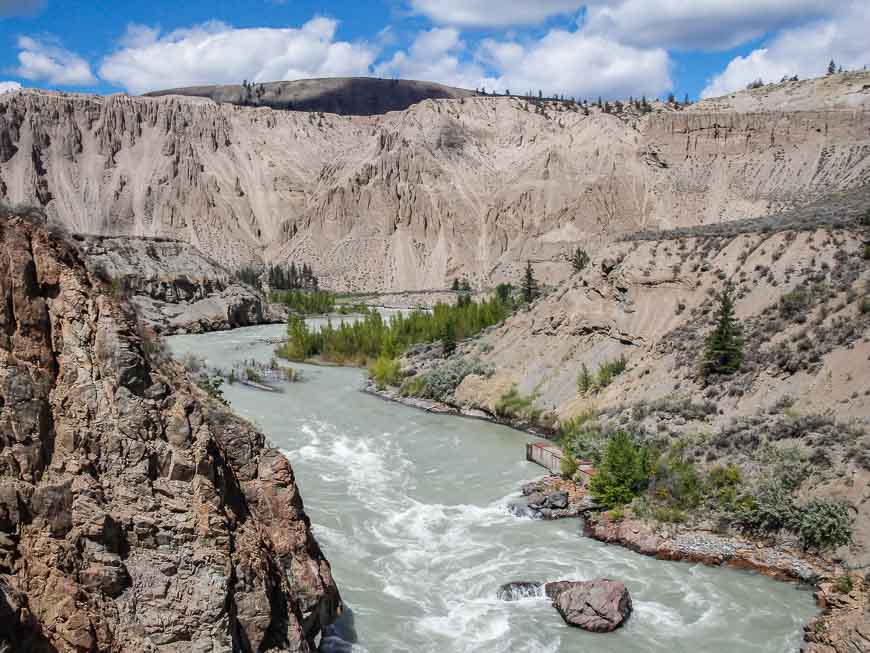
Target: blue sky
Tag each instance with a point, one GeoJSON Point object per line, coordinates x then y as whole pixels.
{"type": "Point", "coordinates": [582, 48]}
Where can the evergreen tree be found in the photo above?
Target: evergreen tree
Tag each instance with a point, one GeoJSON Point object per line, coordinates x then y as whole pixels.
{"type": "Point", "coordinates": [504, 292]}
{"type": "Point", "coordinates": [455, 286]}
{"type": "Point", "coordinates": [580, 260]}
{"type": "Point", "coordinates": [832, 67]}
{"type": "Point", "coordinates": [584, 380]}
{"type": "Point", "coordinates": [623, 472]}
{"type": "Point", "coordinates": [530, 284]}
{"type": "Point", "coordinates": [448, 340]}
{"type": "Point", "coordinates": [723, 352]}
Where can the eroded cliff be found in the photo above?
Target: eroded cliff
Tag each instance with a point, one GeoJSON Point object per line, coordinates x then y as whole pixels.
{"type": "Point", "coordinates": [470, 186]}
{"type": "Point", "coordinates": [135, 513]}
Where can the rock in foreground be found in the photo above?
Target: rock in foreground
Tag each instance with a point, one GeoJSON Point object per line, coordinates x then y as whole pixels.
{"type": "Point", "coordinates": [599, 606]}
{"type": "Point", "coordinates": [136, 514]}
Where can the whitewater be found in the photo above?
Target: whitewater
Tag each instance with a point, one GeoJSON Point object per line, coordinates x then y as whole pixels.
{"type": "Point", "coordinates": [411, 509]}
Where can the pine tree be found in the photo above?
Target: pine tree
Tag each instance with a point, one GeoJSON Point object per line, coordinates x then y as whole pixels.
{"type": "Point", "coordinates": [580, 260]}
{"type": "Point", "coordinates": [448, 340]}
{"type": "Point", "coordinates": [530, 284]}
{"type": "Point", "coordinates": [723, 353]}
{"type": "Point", "coordinates": [832, 67]}
{"type": "Point", "coordinates": [455, 286]}
{"type": "Point", "coordinates": [584, 380]}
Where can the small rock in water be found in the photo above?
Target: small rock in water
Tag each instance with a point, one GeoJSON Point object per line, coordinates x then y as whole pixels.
{"type": "Point", "coordinates": [523, 511]}
{"type": "Point", "coordinates": [599, 606]}
{"type": "Point", "coordinates": [558, 500]}
{"type": "Point", "coordinates": [537, 500]}
{"type": "Point", "coordinates": [521, 589]}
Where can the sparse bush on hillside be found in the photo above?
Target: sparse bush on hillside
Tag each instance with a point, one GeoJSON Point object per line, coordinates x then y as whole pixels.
{"type": "Point", "coordinates": [825, 524]}
{"type": "Point", "coordinates": [609, 370]}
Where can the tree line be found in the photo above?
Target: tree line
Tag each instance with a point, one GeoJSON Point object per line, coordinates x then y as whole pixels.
{"type": "Point", "coordinates": [374, 336]}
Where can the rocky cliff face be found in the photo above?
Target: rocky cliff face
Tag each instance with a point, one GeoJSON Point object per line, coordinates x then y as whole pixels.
{"type": "Point", "coordinates": [471, 186]}
{"type": "Point", "coordinates": [174, 287]}
{"type": "Point", "coordinates": [135, 514]}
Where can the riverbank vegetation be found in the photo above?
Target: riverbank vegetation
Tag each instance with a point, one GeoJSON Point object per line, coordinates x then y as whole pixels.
{"type": "Point", "coordinates": [661, 478]}
{"type": "Point", "coordinates": [365, 341]}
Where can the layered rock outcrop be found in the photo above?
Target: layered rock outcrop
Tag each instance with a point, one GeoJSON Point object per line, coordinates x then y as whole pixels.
{"type": "Point", "coordinates": [135, 514]}
{"type": "Point", "coordinates": [174, 287]}
{"type": "Point", "coordinates": [469, 186]}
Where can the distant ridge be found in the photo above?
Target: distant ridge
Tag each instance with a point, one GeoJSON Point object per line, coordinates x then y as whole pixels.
{"type": "Point", "coordinates": [351, 96]}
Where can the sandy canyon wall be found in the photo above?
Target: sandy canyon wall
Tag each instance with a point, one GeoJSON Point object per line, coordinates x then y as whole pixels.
{"type": "Point", "coordinates": [411, 199]}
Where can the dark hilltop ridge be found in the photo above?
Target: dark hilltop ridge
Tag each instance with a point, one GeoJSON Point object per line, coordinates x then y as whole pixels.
{"type": "Point", "coordinates": [349, 96]}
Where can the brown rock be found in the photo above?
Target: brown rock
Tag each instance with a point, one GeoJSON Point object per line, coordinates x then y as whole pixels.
{"type": "Point", "coordinates": [599, 606]}
{"type": "Point", "coordinates": [130, 523]}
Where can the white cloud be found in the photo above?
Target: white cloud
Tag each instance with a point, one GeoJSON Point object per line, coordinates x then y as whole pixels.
{"type": "Point", "coordinates": [578, 64]}
{"type": "Point", "coordinates": [20, 7]}
{"type": "Point", "coordinates": [435, 55]}
{"type": "Point", "coordinates": [48, 62]}
{"type": "Point", "coordinates": [493, 13]}
{"type": "Point", "coordinates": [5, 87]}
{"type": "Point", "coordinates": [216, 53]}
{"type": "Point", "coordinates": [699, 24]}
{"type": "Point", "coordinates": [563, 62]}
{"type": "Point", "coordinates": [803, 51]}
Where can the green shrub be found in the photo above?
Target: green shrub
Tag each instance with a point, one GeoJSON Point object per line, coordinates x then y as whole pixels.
{"type": "Point", "coordinates": [385, 371]}
{"type": "Point", "coordinates": [617, 514]}
{"type": "Point", "coordinates": [844, 584]}
{"type": "Point", "coordinates": [582, 437]}
{"type": "Point", "coordinates": [669, 515]}
{"type": "Point", "coordinates": [212, 387]}
{"type": "Point", "coordinates": [513, 405]}
{"type": "Point", "coordinates": [585, 382]}
{"type": "Point", "coordinates": [723, 485]}
{"type": "Point", "coordinates": [794, 305]}
{"type": "Point", "coordinates": [825, 524]}
{"type": "Point", "coordinates": [253, 375]}
{"type": "Point", "coordinates": [772, 510]}
{"type": "Point", "coordinates": [441, 382]}
{"type": "Point", "coordinates": [675, 481]}
{"type": "Point", "coordinates": [867, 252]}
{"type": "Point", "coordinates": [413, 387]}
{"type": "Point", "coordinates": [608, 370]}
{"type": "Point", "coordinates": [623, 473]}
{"type": "Point", "coordinates": [568, 466]}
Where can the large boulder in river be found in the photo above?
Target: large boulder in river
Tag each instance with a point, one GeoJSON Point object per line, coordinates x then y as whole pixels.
{"type": "Point", "coordinates": [599, 606]}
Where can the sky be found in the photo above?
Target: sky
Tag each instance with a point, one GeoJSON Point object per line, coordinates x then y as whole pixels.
{"type": "Point", "coordinates": [576, 48]}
